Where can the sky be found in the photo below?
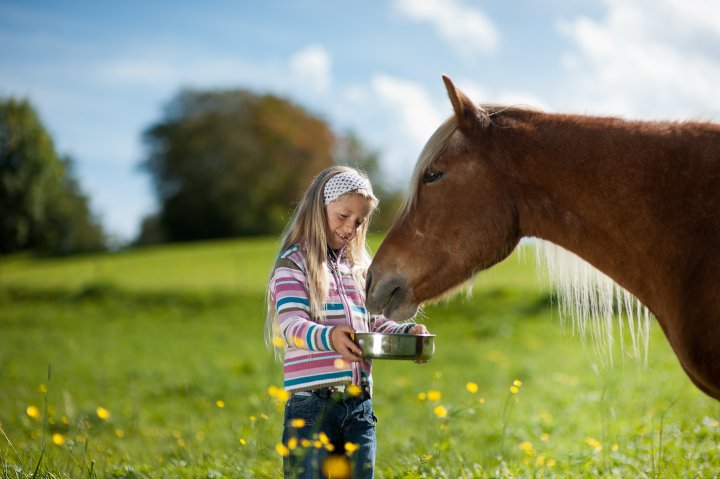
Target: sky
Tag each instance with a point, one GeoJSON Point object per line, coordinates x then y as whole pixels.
{"type": "Point", "coordinates": [99, 73]}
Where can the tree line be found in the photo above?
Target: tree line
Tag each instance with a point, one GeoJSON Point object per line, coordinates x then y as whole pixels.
{"type": "Point", "coordinates": [223, 163]}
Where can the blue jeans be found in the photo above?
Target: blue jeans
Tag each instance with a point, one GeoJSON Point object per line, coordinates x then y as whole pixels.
{"type": "Point", "coordinates": [329, 422]}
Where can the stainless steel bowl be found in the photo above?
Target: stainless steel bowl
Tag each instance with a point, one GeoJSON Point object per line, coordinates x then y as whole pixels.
{"type": "Point", "coordinates": [418, 347]}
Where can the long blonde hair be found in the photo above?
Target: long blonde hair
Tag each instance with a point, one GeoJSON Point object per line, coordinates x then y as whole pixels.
{"type": "Point", "coordinates": [307, 229]}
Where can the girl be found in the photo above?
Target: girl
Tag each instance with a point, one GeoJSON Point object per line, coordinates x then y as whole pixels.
{"type": "Point", "coordinates": [316, 297]}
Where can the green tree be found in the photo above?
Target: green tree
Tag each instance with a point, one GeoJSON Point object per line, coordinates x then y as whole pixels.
{"type": "Point", "coordinates": [41, 203]}
{"type": "Point", "coordinates": [228, 163]}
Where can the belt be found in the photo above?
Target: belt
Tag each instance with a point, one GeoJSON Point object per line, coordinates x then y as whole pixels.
{"type": "Point", "coordinates": [341, 392]}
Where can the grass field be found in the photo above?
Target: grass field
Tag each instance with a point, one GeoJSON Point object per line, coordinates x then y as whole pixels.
{"type": "Point", "coordinates": [151, 363]}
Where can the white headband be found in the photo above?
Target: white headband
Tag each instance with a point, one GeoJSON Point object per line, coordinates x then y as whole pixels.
{"type": "Point", "coordinates": [343, 183]}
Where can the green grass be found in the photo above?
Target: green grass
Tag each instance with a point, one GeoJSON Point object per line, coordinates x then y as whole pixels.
{"type": "Point", "coordinates": [169, 341]}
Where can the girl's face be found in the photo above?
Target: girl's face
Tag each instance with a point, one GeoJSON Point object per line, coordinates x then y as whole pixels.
{"type": "Point", "coordinates": [345, 215]}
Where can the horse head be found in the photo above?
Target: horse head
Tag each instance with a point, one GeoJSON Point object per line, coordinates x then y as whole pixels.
{"type": "Point", "coordinates": [460, 216]}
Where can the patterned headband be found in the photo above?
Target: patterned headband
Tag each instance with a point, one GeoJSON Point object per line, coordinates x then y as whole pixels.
{"type": "Point", "coordinates": [343, 183]}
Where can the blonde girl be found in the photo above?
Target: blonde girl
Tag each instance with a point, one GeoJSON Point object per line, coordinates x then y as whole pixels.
{"type": "Point", "coordinates": [316, 302]}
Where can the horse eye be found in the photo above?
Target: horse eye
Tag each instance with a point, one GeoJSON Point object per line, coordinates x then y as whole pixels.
{"type": "Point", "coordinates": [431, 176]}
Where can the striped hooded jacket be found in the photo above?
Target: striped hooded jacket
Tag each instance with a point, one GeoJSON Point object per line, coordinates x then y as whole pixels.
{"type": "Point", "coordinates": [310, 362]}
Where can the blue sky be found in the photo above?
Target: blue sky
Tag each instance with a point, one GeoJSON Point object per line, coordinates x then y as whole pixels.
{"type": "Point", "coordinates": [99, 73]}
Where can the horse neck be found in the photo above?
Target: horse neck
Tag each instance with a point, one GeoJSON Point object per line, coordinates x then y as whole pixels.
{"type": "Point", "coordinates": [606, 190]}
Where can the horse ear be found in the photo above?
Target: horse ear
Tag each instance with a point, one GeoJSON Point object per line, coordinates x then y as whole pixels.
{"type": "Point", "coordinates": [467, 113]}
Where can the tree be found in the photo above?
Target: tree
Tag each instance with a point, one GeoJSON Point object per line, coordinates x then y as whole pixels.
{"type": "Point", "coordinates": [41, 203]}
{"type": "Point", "coordinates": [227, 163]}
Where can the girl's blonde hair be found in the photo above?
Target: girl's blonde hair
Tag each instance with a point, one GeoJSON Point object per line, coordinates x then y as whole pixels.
{"type": "Point", "coordinates": [307, 228]}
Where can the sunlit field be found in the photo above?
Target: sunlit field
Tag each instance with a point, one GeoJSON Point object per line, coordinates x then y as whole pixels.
{"type": "Point", "coordinates": [151, 363]}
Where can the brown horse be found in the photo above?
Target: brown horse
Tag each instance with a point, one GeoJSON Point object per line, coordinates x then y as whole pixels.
{"type": "Point", "coordinates": [639, 201]}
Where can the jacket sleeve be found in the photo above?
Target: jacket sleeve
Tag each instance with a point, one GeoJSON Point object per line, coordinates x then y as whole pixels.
{"type": "Point", "coordinates": [288, 289]}
{"type": "Point", "coordinates": [381, 324]}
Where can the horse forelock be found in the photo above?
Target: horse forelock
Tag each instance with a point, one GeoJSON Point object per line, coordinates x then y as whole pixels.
{"type": "Point", "coordinates": [434, 146]}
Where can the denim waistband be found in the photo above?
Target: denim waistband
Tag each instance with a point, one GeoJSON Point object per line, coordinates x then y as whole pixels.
{"type": "Point", "coordinates": [341, 393]}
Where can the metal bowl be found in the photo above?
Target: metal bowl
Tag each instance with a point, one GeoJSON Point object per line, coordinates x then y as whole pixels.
{"type": "Point", "coordinates": [418, 347]}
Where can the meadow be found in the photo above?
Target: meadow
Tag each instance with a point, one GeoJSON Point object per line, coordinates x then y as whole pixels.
{"type": "Point", "coordinates": [150, 363]}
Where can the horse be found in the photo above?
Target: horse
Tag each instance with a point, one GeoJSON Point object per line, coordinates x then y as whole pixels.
{"type": "Point", "coordinates": [637, 200]}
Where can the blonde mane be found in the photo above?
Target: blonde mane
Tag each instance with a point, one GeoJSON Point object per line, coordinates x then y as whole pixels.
{"type": "Point", "coordinates": [593, 303]}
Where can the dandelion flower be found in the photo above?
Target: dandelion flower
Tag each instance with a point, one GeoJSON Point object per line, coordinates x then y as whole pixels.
{"type": "Point", "coordinates": [440, 411]}
{"type": "Point", "coordinates": [527, 448]}
{"type": "Point", "coordinates": [324, 438]}
{"type": "Point", "coordinates": [336, 467]}
{"type": "Point", "coordinates": [514, 389]}
{"type": "Point", "coordinates": [351, 447]}
{"type": "Point", "coordinates": [58, 439]}
{"type": "Point", "coordinates": [517, 383]}
{"type": "Point", "coordinates": [434, 395]}
{"type": "Point", "coordinates": [340, 363]}
{"type": "Point", "coordinates": [243, 441]}
{"type": "Point", "coordinates": [354, 390]}
{"type": "Point", "coordinates": [33, 412]}
{"type": "Point", "coordinates": [299, 342]}
{"type": "Point", "coordinates": [422, 396]}
{"type": "Point", "coordinates": [278, 342]}
{"type": "Point", "coordinates": [471, 387]}
{"type": "Point", "coordinates": [292, 443]}
{"type": "Point", "coordinates": [282, 395]}
{"type": "Point", "coordinates": [481, 400]}
{"type": "Point", "coordinates": [253, 418]}
{"type": "Point", "coordinates": [219, 403]}
{"type": "Point", "coordinates": [42, 389]}
{"type": "Point", "coordinates": [102, 413]}
{"type": "Point", "coordinates": [305, 443]}
{"type": "Point", "coordinates": [297, 423]}
{"type": "Point", "coordinates": [272, 391]}
{"type": "Point", "coordinates": [282, 449]}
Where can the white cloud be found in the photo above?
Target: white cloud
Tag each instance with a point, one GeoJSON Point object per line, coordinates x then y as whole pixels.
{"type": "Point", "coordinates": [311, 67]}
{"type": "Point", "coordinates": [647, 58]}
{"type": "Point", "coordinates": [409, 103]}
{"type": "Point", "coordinates": [466, 29]}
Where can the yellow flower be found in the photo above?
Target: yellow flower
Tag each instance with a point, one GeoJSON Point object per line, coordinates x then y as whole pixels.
{"type": "Point", "coordinates": [340, 364]}
{"type": "Point", "coordinates": [513, 389]}
{"type": "Point", "coordinates": [434, 395]}
{"type": "Point", "coordinates": [471, 387]}
{"type": "Point", "coordinates": [264, 417]}
{"type": "Point", "coordinates": [527, 448]}
{"type": "Point", "coordinates": [292, 443]}
{"type": "Point", "coordinates": [253, 418]}
{"type": "Point", "coordinates": [33, 412]}
{"type": "Point", "coordinates": [297, 423]}
{"type": "Point", "coordinates": [336, 467]}
{"type": "Point", "coordinates": [481, 400]}
{"type": "Point", "coordinates": [119, 433]}
{"type": "Point", "coordinates": [305, 443]}
{"type": "Point", "coordinates": [540, 460]}
{"type": "Point", "coordinates": [243, 442]}
{"type": "Point", "coordinates": [351, 447]}
{"type": "Point", "coordinates": [354, 390]}
{"type": "Point", "coordinates": [272, 391]}
{"type": "Point", "coordinates": [102, 413]}
{"type": "Point", "coordinates": [324, 439]}
{"type": "Point", "coordinates": [517, 383]}
{"type": "Point", "coordinates": [614, 448]}
{"type": "Point", "coordinates": [42, 389]}
{"type": "Point", "coordinates": [440, 411]}
{"type": "Point", "coordinates": [298, 341]}
{"type": "Point", "coordinates": [58, 439]}
{"type": "Point", "coordinates": [278, 342]}
{"type": "Point", "coordinates": [219, 403]}
{"type": "Point", "coordinates": [544, 436]}
{"type": "Point", "coordinates": [282, 395]}
{"type": "Point", "coordinates": [422, 396]}
{"type": "Point", "coordinates": [282, 449]}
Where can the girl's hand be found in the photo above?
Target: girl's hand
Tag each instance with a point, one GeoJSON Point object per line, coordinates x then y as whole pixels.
{"type": "Point", "coordinates": [418, 329]}
{"type": "Point", "coordinates": [342, 342]}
